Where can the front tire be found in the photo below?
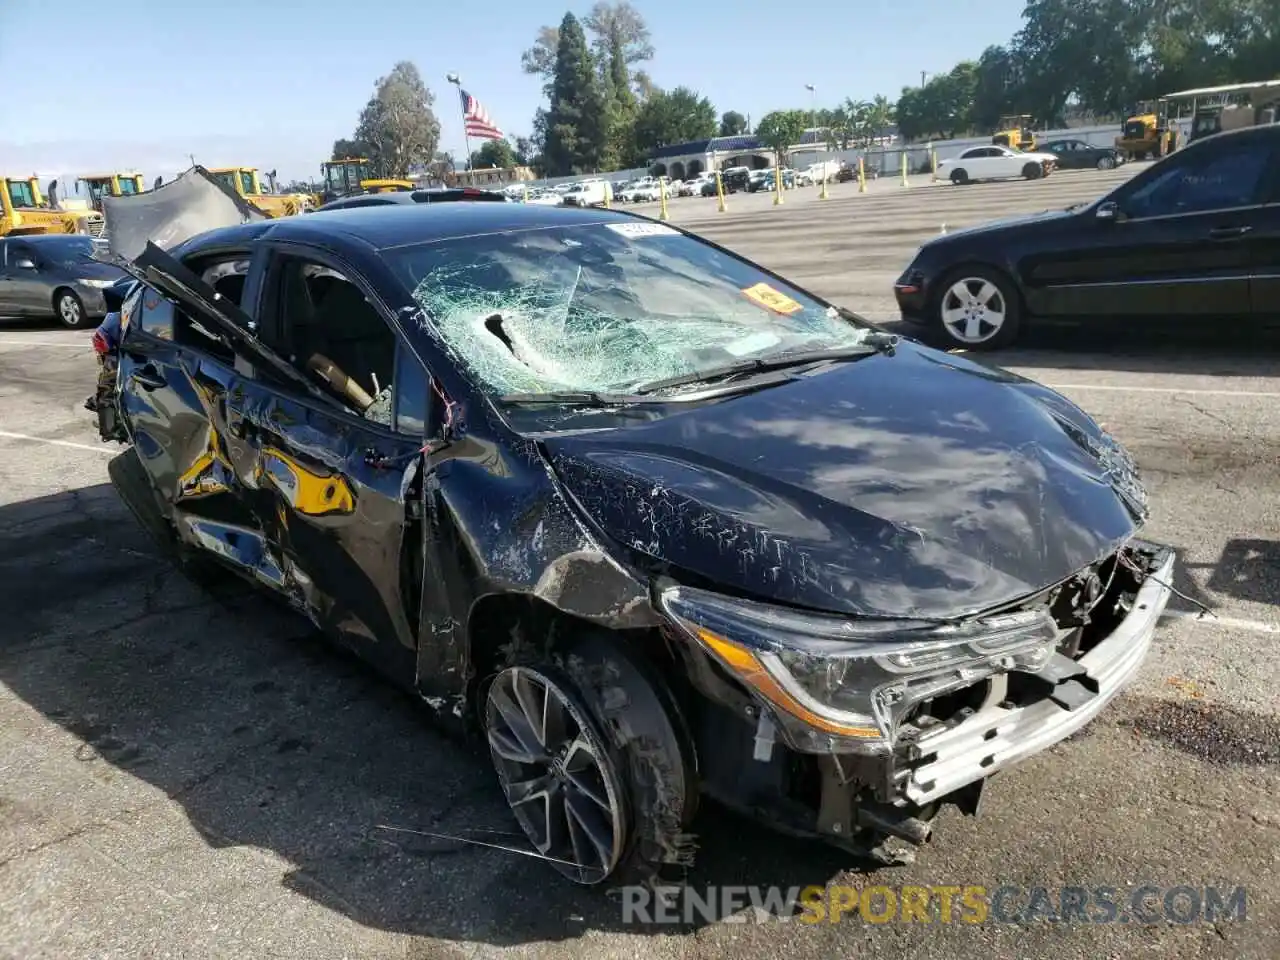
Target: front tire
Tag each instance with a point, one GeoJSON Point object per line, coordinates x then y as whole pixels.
{"type": "Point", "coordinates": [959, 177]}
{"type": "Point", "coordinates": [1106, 163]}
{"type": "Point", "coordinates": [1032, 171]}
{"type": "Point", "coordinates": [69, 309]}
{"type": "Point", "coordinates": [978, 309]}
{"type": "Point", "coordinates": [593, 759]}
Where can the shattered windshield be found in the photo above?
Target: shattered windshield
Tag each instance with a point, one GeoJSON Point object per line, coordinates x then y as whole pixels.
{"type": "Point", "coordinates": [606, 307]}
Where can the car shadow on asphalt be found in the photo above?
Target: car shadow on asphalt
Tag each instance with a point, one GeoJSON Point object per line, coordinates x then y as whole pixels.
{"type": "Point", "coordinates": [1203, 350]}
{"type": "Point", "coordinates": [266, 736]}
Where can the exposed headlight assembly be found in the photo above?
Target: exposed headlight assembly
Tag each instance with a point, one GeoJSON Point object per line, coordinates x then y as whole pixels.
{"type": "Point", "coordinates": [840, 685]}
{"type": "Point", "coordinates": [96, 284]}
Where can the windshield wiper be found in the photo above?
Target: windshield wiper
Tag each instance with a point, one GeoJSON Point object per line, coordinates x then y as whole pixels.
{"type": "Point", "coordinates": [874, 342]}
{"type": "Point", "coordinates": [577, 398]}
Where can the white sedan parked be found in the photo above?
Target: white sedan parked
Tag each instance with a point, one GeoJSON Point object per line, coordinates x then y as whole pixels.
{"type": "Point", "coordinates": [996, 163]}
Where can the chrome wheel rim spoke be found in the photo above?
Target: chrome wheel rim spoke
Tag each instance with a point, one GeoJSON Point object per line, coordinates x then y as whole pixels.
{"type": "Point", "coordinates": [557, 781]}
{"type": "Point", "coordinates": [973, 310]}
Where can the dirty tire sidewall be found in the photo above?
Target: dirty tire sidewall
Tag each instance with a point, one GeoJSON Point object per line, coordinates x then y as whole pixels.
{"type": "Point", "coordinates": [1011, 326]}
{"type": "Point", "coordinates": [1105, 163]}
{"type": "Point", "coordinates": [70, 309]}
{"type": "Point", "coordinates": [959, 177]}
{"type": "Point", "coordinates": [649, 743]}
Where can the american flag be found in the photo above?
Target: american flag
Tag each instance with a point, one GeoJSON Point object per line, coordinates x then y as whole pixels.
{"type": "Point", "coordinates": [476, 119]}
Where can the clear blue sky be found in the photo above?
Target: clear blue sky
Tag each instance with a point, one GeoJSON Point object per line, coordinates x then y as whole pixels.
{"type": "Point", "coordinates": [272, 83]}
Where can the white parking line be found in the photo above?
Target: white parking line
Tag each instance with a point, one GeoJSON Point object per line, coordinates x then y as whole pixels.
{"type": "Point", "coordinates": [58, 443]}
{"type": "Point", "coordinates": [1189, 391]}
{"type": "Point", "coordinates": [1229, 623]}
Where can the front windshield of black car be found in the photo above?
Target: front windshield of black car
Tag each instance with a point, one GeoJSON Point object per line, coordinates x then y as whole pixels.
{"type": "Point", "coordinates": [606, 307]}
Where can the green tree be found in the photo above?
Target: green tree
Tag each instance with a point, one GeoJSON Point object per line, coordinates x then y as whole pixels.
{"type": "Point", "coordinates": [732, 124]}
{"type": "Point", "coordinates": [397, 126]}
{"type": "Point", "coordinates": [621, 98]}
{"type": "Point", "coordinates": [494, 153]}
{"type": "Point", "coordinates": [782, 129]}
{"type": "Point", "coordinates": [998, 88]}
{"type": "Point", "coordinates": [348, 149]}
{"type": "Point", "coordinates": [607, 24]}
{"type": "Point", "coordinates": [674, 116]}
{"type": "Point", "coordinates": [1078, 49]}
{"type": "Point", "coordinates": [879, 116]}
{"type": "Point", "coordinates": [618, 28]}
{"type": "Point", "coordinates": [525, 150]}
{"type": "Point", "coordinates": [577, 125]}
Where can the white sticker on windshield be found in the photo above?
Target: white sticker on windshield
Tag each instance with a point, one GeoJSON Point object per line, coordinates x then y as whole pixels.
{"type": "Point", "coordinates": [635, 230]}
{"type": "Point", "coordinates": [752, 344]}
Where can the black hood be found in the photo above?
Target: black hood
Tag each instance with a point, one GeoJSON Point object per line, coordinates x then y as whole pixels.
{"type": "Point", "coordinates": [914, 485]}
{"type": "Point", "coordinates": [1045, 219]}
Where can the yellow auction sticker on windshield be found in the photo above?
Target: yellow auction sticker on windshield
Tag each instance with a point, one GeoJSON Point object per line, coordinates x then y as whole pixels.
{"type": "Point", "coordinates": [772, 299]}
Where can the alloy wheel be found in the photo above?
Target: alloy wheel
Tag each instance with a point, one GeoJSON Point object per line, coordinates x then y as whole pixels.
{"type": "Point", "coordinates": [69, 310]}
{"type": "Point", "coordinates": [557, 776]}
{"type": "Point", "coordinates": [973, 310]}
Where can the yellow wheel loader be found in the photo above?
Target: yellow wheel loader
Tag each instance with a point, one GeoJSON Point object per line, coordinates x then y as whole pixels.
{"type": "Point", "coordinates": [23, 210]}
{"type": "Point", "coordinates": [244, 181]}
{"type": "Point", "coordinates": [351, 175]}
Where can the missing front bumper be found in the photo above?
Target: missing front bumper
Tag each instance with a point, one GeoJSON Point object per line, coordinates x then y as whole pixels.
{"type": "Point", "coordinates": [998, 736]}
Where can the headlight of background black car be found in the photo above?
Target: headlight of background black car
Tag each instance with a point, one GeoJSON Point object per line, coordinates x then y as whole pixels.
{"type": "Point", "coordinates": [840, 685]}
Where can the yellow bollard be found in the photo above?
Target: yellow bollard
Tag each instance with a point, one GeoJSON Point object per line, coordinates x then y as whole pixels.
{"type": "Point", "coordinates": [662, 197]}
{"type": "Point", "coordinates": [904, 169]}
{"type": "Point", "coordinates": [526, 192]}
{"type": "Point", "coordinates": [823, 194]}
{"type": "Point", "coordinates": [862, 176]}
{"type": "Point", "coordinates": [720, 191]}
{"type": "Point", "coordinates": [933, 164]}
{"type": "Point", "coordinates": [777, 187]}
{"type": "Point", "coordinates": [608, 196]}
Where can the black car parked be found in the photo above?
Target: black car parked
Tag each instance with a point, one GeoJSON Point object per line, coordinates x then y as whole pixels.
{"type": "Point", "coordinates": [1078, 155]}
{"type": "Point", "coordinates": [656, 521]}
{"type": "Point", "coordinates": [1195, 236]}
{"type": "Point", "coordinates": [54, 275]}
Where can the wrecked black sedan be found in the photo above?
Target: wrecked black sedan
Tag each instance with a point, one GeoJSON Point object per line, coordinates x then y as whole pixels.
{"type": "Point", "coordinates": [654, 521]}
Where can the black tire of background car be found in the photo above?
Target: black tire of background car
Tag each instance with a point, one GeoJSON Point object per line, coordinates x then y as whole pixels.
{"type": "Point", "coordinates": [1032, 171]}
{"type": "Point", "coordinates": [1007, 333]}
{"type": "Point", "coordinates": [80, 320]}
{"type": "Point", "coordinates": [649, 743]}
{"type": "Point", "coordinates": [1106, 163]}
{"type": "Point", "coordinates": [134, 487]}
{"type": "Point", "coordinates": [959, 177]}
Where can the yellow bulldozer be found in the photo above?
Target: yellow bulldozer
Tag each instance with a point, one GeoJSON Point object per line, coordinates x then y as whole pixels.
{"type": "Point", "coordinates": [92, 187]}
{"type": "Point", "coordinates": [351, 175]}
{"type": "Point", "coordinates": [244, 181]}
{"type": "Point", "coordinates": [23, 210]}
{"type": "Point", "coordinates": [1015, 131]}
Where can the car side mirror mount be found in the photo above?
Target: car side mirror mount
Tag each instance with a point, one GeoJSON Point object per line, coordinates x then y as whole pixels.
{"type": "Point", "coordinates": [1108, 211]}
{"type": "Point", "coordinates": [24, 263]}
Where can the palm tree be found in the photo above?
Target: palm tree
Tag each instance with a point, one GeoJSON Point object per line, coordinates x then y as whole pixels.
{"type": "Point", "coordinates": [838, 128]}
{"type": "Point", "coordinates": [880, 115]}
{"type": "Point", "coordinates": [857, 112]}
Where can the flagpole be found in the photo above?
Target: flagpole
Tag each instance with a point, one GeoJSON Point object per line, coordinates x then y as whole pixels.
{"type": "Point", "coordinates": [462, 106]}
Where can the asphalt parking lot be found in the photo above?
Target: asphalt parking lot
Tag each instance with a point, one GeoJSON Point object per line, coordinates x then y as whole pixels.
{"type": "Point", "coordinates": [196, 775]}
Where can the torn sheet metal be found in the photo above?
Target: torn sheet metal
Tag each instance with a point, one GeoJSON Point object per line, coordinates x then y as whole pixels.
{"type": "Point", "coordinates": [192, 204]}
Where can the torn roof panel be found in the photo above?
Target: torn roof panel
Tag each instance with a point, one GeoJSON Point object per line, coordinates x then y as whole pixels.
{"type": "Point", "coordinates": [192, 204]}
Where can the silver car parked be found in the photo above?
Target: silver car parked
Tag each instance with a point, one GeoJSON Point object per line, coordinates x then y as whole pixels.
{"type": "Point", "coordinates": [45, 275]}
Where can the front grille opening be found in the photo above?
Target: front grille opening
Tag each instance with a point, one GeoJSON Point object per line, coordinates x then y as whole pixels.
{"type": "Point", "coordinates": [948, 709]}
